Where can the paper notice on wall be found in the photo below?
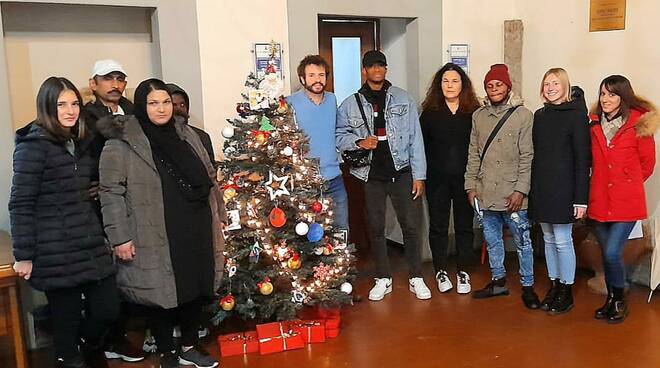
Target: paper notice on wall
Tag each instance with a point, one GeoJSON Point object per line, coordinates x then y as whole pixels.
{"type": "Point", "coordinates": [636, 232]}
{"type": "Point", "coordinates": [459, 54]}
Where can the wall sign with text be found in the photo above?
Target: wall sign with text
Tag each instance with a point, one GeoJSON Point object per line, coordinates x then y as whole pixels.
{"type": "Point", "coordinates": [607, 15]}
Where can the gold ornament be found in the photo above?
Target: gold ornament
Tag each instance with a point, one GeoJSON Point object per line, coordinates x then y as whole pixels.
{"type": "Point", "coordinates": [266, 288]}
{"type": "Point", "coordinates": [227, 303]}
{"type": "Point", "coordinates": [229, 193]}
{"type": "Point", "coordinates": [294, 262]}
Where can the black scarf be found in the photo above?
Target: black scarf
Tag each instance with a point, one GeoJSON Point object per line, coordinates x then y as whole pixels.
{"type": "Point", "coordinates": [179, 159]}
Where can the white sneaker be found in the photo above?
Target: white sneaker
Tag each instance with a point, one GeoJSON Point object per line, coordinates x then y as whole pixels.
{"type": "Point", "coordinates": [419, 288]}
{"type": "Point", "coordinates": [383, 286]}
{"type": "Point", "coordinates": [444, 284]}
{"type": "Point", "coordinates": [463, 283]}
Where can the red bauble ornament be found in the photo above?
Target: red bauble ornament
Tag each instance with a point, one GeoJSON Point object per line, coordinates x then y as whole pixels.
{"type": "Point", "coordinates": [317, 207]}
{"type": "Point", "coordinates": [277, 217]}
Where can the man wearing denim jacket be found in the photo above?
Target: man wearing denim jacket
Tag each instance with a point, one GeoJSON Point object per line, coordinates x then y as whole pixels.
{"type": "Point", "coordinates": [397, 167]}
{"type": "Point", "coordinates": [500, 179]}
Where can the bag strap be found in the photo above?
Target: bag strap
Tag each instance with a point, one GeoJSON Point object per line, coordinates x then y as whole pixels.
{"type": "Point", "coordinates": [364, 116]}
{"type": "Point", "coordinates": [494, 133]}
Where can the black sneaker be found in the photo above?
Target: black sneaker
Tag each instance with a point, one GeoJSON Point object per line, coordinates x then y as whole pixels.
{"type": "Point", "coordinates": [75, 362]}
{"type": "Point", "coordinates": [494, 288]}
{"type": "Point", "coordinates": [169, 360]}
{"type": "Point", "coordinates": [198, 358]}
{"type": "Point", "coordinates": [125, 351]}
{"type": "Point", "coordinates": [529, 297]}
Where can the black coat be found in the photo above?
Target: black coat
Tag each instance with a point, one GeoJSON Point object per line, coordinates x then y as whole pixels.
{"type": "Point", "coordinates": [92, 112]}
{"type": "Point", "coordinates": [562, 158]}
{"type": "Point", "coordinates": [52, 217]}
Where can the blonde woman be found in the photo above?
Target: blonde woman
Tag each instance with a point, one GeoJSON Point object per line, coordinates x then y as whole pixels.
{"type": "Point", "coordinates": [560, 180]}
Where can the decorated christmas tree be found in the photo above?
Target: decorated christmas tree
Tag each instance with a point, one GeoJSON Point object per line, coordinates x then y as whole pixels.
{"type": "Point", "coordinates": [281, 250]}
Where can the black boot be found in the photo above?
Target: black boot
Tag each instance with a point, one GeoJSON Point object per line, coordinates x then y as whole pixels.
{"type": "Point", "coordinates": [550, 296]}
{"type": "Point", "coordinates": [601, 313]}
{"type": "Point", "coordinates": [564, 300]}
{"type": "Point", "coordinates": [494, 288]}
{"type": "Point", "coordinates": [619, 310]}
{"type": "Point", "coordinates": [529, 298]}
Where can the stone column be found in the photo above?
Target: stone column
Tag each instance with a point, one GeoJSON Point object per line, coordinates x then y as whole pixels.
{"type": "Point", "coordinates": [513, 44]}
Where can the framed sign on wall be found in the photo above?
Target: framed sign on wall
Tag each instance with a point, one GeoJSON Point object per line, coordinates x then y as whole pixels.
{"type": "Point", "coordinates": [607, 15]}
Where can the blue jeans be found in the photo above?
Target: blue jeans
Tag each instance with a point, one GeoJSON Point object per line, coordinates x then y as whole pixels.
{"type": "Point", "coordinates": [337, 192]}
{"type": "Point", "coordinates": [519, 227]}
{"type": "Point", "coordinates": [612, 236]}
{"type": "Point", "coordinates": [559, 252]}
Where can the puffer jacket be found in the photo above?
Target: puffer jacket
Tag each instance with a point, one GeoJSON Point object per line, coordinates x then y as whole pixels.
{"type": "Point", "coordinates": [132, 207]}
{"type": "Point", "coordinates": [53, 223]}
{"type": "Point", "coordinates": [507, 165]}
{"type": "Point", "coordinates": [621, 167]}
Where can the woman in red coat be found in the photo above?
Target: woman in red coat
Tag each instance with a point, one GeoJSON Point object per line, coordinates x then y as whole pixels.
{"type": "Point", "coordinates": [623, 152]}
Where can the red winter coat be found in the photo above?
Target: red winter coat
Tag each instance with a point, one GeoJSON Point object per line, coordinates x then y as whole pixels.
{"type": "Point", "coordinates": [619, 169]}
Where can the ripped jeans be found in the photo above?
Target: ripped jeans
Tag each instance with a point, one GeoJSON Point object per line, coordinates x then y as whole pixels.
{"type": "Point", "coordinates": [518, 225]}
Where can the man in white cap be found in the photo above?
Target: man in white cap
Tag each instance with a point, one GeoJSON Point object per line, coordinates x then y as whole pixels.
{"type": "Point", "coordinates": [108, 82]}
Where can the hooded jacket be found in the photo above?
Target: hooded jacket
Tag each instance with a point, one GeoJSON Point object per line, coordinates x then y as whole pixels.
{"type": "Point", "coordinates": [621, 167]}
{"type": "Point", "coordinates": [562, 159]}
{"type": "Point", "coordinates": [507, 165]}
{"type": "Point", "coordinates": [132, 206]}
{"type": "Point", "coordinates": [203, 136]}
{"type": "Point", "coordinates": [53, 223]}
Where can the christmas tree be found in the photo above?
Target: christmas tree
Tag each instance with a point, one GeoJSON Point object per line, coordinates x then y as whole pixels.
{"type": "Point", "coordinates": [281, 250]}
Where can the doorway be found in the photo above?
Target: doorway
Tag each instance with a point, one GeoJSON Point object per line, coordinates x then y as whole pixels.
{"type": "Point", "coordinates": [342, 42]}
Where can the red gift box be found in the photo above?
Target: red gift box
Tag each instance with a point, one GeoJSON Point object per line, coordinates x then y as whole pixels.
{"type": "Point", "coordinates": [312, 331]}
{"type": "Point", "coordinates": [238, 343]}
{"type": "Point", "coordinates": [278, 336]}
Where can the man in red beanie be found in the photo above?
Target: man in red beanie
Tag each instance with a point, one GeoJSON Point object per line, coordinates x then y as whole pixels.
{"type": "Point", "coordinates": [497, 180]}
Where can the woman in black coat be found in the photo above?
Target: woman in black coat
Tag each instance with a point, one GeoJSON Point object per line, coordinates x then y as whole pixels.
{"type": "Point", "coordinates": [560, 180]}
{"type": "Point", "coordinates": [446, 122]}
{"type": "Point", "coordinates": [57, 237]}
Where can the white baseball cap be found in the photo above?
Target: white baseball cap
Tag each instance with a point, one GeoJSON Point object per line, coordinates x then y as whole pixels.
{"type": "Point", "coordinates": [107, 66]}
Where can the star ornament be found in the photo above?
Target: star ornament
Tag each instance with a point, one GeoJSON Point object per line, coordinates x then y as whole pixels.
{"type": "Point", "coordinates": [276, 185]}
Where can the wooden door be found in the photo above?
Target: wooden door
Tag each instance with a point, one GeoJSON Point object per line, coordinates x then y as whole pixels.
{"type": "Point", "coordinates": [367, 30]}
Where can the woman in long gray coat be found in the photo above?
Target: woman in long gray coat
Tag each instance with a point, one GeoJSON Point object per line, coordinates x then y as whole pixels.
{"type": "Point", "coordinates": [162, 212]}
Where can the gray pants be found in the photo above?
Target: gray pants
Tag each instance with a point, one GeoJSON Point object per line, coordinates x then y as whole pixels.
{"type": "Point", "coordinates": [409, 214]}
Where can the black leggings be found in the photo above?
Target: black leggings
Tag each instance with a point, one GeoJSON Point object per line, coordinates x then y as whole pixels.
{"type": "Point", "coordinates": [162, 322]}
{"type": "Point", "coordinates": [101, 307]}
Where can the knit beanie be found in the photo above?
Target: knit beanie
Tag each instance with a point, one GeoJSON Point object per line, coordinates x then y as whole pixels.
{"type": "Point", "coordinates": [498, 72]}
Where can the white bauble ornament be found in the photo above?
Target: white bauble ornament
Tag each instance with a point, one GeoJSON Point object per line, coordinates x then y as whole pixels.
{"type": "Point", "coordinates": [287, 151]}
{"type": "Point", "coordinates": [346, 287]}
{"type": "Point", "coordinates": [302, 228]}
{"type": "Point", "coordinates": [318, 251]}
{"type": "Point", "coordinates": [228, 132]}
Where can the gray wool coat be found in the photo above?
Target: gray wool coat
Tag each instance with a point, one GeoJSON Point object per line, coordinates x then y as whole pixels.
{"type": "Point", "coordinates": [132, 206]}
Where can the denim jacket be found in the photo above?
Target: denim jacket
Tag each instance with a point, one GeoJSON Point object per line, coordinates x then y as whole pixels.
{"type": "Point", "coordinates": [404, 133]}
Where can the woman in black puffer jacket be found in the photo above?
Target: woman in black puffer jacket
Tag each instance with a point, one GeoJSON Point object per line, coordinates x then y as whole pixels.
{"type": "Point", "coordinates": [58, 239]}
{"type": "Point", "coordinates": [560, 181]}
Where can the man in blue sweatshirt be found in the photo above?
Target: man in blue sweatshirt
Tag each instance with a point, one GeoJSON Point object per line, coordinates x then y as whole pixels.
{"type": "Point", "coordinates": [316, 113]}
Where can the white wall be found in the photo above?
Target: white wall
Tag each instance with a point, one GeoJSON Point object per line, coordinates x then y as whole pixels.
{"type": "Point", "coordinates": [175, 42]}
{"type": "Point", "coordinates": [557, 35]}
{"type": "Point", "coordinates": [227, 32]}
{"type": "Point", "coordinates": [393, 42]}
{"type": "Point", "coordinates": [424, 33]}
{"type": "Point", "coordinates": [33, 35]}
{"type": "Point", "coordinates": [480, 24]}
